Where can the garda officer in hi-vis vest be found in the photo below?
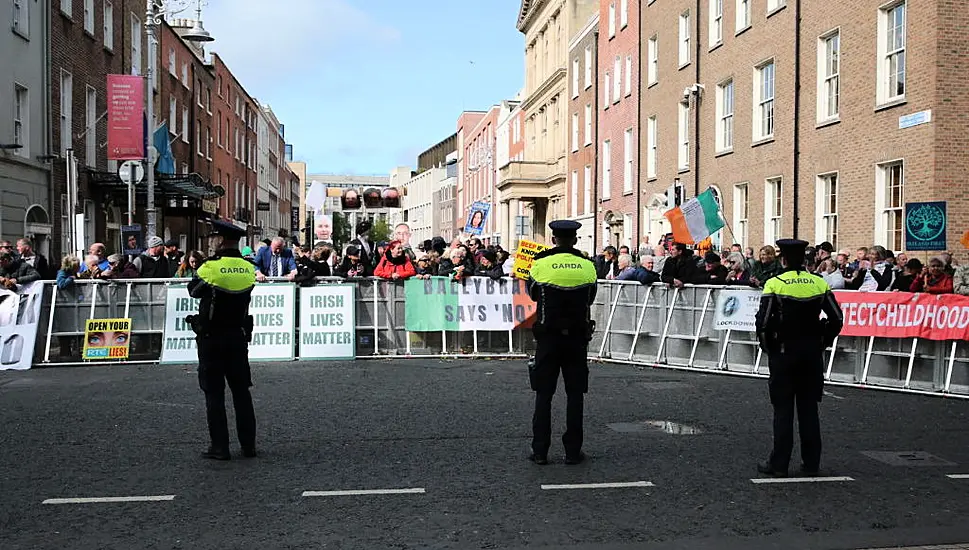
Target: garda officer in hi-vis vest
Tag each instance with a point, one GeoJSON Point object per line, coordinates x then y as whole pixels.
{"type": "Point", "coordinates": [793, 335]}
{"type": "Point", "coordinates": [563, 284]}
{"type": "Point", "coordinates": [223, 329]}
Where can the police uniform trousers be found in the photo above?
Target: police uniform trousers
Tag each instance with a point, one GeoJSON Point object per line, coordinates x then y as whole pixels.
{"type": "Point", "coordinates": [225, 359]}
{"type": "Point", "coordinates": [564, 351]}
{"type": "Point", "coordinates": [796, 384]}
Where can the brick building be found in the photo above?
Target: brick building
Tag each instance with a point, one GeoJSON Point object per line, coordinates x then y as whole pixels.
{"type": "Point", "coordinates": [509, 147]}
{"type": "Point", "coordinates": [480, 174]}
{"type": "Point", "coordinates": [584, 125]}
{"type": "Point", "coordinates": [465, 128]}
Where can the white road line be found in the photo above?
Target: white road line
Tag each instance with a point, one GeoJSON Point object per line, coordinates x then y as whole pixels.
{"type": "Point", "coordinates": [97, 500]}
{"type": "Point", "coordinates": [800, 479]}
{"type": "Point", "coordinates": [957, 476]}
{"type": "Point", "coordinates": [412, 491]}
{"type": "Point", "coordinates": [618, 485]}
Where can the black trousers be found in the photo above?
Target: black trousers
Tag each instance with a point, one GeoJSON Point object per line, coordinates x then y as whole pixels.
{"type": "Point", "coordinates": [221, 360]}
{"type": "Point", "coordinates": [796, 385]}
{"type": "Point", "coordinates": [555, 353]}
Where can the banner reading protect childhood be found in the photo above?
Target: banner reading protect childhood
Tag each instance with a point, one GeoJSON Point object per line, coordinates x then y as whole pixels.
{"type": "Point", "coordinates": [477, 303]}
{"type": "Point", "coordinates": [905, 315]}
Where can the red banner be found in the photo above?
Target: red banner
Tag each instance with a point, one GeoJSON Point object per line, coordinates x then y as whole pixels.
{"type": "Point", "coordinates": [126, 111]}
{"type": "Point", "coordinates": [905, 315]}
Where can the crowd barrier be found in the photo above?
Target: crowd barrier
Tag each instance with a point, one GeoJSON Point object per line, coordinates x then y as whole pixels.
{"type": "Point", "coordinates": [640, 325]}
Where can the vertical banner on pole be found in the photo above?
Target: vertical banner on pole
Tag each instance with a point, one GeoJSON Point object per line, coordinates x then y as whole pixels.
{"type": "Point", "coordinates": [126, 124]}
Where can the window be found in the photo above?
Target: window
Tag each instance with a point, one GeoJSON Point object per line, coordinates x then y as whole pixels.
{"type": "Point", "coordinates": [773, 209]}
{"type": "Point", "coordinates": [21, 17]}
{"type": "Point", "coordinates": [612, 19]}
{"type": "Point", "coordinates": [741, 209]}
{"type": "Point", "coordinates": [587, 189]}
{"type": "Point", "coordinates": [606, 169]}
{"type": "Point", "coordinates": [574, 196]}
{"type": "Point", "coordinates": [683, 131]}
{"type": "Point", "coordinates": [628, 80]}
{"type": "Point", "coordinates": [684, 39]}
{"type": "Point", "coordinates": [90, 127]}
{"type": "Point", "coordinates": [185, 127]}
{"type": "Point", "coordinates": [651, 144]}
{"type": "Point", "coordinates": [89, 16]}
{"type": "Point", "coordinates": [173, 116]}
{"type": "Point", "coordinates": [21, 116]}
{"type": "Point", "coordinates": [67, 121]}
{"type": "Point", "coordinates": [575, 132]}
{"type": "Point", "coordinates": [588, 67]}
{"type": "Point", "coordinates": [774, 5]}
{"type": "Point", "coordinates": [653, 70]}
{"type": "Point", "coordinates": [108, 25]}
{"type": "Point", "coordinates": [198, 93]}
{"type": "Point", "coordinates": [67, 7]}
{"type": "Point", "coordinates": [889, 205]}
{"type": "Point", "coordinates": [575, 78]}
{"type": "Point", "coordinates": [172, 66]}
{"type": "Point", "coordinates": [185, 74]}
{"type": "Point", "coordinates": [891, 53]}
{"type": "Point", "coordinates": [743, 14]}
{"type": "Point", "coordinates": [219, 132]}
{"type": "Point", "coordinates": [208, 142]}
{"type": "Point", "coordinates": [627, 161]}
{"type": "Point", "coordinates": [135, 45]}
{"type": "Point", "coordinates": [716, 22]}
{"type": "Point", "coordinates": [198, 138]}
{"type": "Point", "coordinates": [605, 91]}
{"type": "Point", "coordinates": [238, 144]}
{"type": "Point", "coordinates": [617, 83]}
{"type": "Point", "coordinates": [588, 124]}
{"type": "Point", "coordinates": [829, 65]}
{"type": "Point", "coordinates": [725, 116]}
{"type": "Point", "coordinates": [764, 102]}
{"type": "Point", "coordinates": [208, 100]}
{"type": "Point", "coordinates": [826, 210]}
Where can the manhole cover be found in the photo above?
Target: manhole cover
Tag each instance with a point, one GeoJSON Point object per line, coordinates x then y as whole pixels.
{"type": "Point", "coordinates": [648, 426]}
{"type": "Point", "coordinates": [907, 458]}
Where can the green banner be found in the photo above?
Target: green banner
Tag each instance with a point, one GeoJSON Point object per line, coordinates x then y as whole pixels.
{"type": "Point", "coordinates": [427, 303]}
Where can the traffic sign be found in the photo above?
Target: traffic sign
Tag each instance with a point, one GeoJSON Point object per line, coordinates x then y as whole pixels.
{"type": "Point", "coordinates": [131, 172]}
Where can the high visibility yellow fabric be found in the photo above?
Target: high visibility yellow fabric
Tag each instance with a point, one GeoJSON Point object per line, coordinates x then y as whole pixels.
{"type": "Point", "coordinates": [563, 271]}
{"type": "Point", "coordinates": [228, 274]}
{"type": "Point", "coordinates": [799, 285]}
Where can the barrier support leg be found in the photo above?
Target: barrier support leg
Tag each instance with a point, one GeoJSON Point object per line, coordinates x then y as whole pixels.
{"type": "Point", "coordinates": [127, 299]}
{"type": "Point", "coordinates": [376, 319]}
{"type": "Point", "coordinates": [407, 343]}
{"type": "Point", "coordinates": [699, 328]}
{"type": "Point", "coordinates": [723, 352]}
{"type": "Point", "coordinates": [612, 313]}
{"type": "Point", "coordinates": [94, 299]}
{"type": "Point", "coordinates": [864, 372]}
{"type": "Point", "coordinates": [666, 326]}
{"type": "Point", "coordinates": [639, 323]}
{"type": "Point", "coordinates": [760, 354]}
{"type": "Point", "coordinates": [474, 334]}
{"type": "Point", "coordinates": [948, 372]}
{"type": "Point", "coordinates": [50, 323]}
{"type": "Point", "coordinates": [834, 349]}
{"type": "Point", "coordinates": [511, 343]}
{"type": "Point", "coordinates": [911, 364]}
{"type": "Point", "coordinates": [443, 342]}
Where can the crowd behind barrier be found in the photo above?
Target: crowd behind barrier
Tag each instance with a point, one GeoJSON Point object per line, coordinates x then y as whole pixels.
{"type": "Point", "coordinates": [636, 324]}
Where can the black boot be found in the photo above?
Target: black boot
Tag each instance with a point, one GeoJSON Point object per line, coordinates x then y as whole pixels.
{"type": "Point", "coordinates": [216, 453]}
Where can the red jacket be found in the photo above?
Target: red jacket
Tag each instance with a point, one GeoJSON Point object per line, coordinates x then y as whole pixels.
{"type": "Point", "coordinates": [386, 268]}
{"type": "Point", "coordinates": [942, 285]}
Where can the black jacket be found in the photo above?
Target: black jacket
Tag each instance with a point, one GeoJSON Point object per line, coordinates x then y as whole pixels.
{"type": "Point", "coordinates": [715, 276]}
{"type": "Point", "coordinates": [346, 270]}
{"type": "Point", "coordinates": [22, 272]}
{"type": "Point", "coordinates": [43, 267]}
{"type": "Point", "coordinates": [495, 271]}
{"type": "Point", "coordinates": [603, 267]}
{"type": "Point", "coordinates": [682, 268]}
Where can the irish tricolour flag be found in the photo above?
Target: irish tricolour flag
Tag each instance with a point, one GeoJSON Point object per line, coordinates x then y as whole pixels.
{"type": "Point", "coordinates": [697, 219]}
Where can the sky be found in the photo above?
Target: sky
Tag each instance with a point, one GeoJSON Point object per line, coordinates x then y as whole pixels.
{"type": "Point", "coordinates": [363, 86]}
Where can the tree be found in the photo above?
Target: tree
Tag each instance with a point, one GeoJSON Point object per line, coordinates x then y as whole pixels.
{"type": "Point", "coordinates": [930, 218]}
{"type": "Point", "coordinates": [380, 231]}
{"type": "Point", "coordinates": [342, 234]}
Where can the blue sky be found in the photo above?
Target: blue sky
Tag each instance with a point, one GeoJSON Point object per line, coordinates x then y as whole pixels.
{"type": "Point", "coordinates": [365, 85]}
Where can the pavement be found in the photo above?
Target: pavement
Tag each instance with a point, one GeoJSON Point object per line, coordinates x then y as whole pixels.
{"type": "Point", "coordinates": [448, 439]}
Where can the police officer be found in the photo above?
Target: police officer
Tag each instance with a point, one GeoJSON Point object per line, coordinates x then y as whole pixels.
{"type": "Point", "coordinates": [793, 335]}
{"type": "Point", "coordinates": [223, 330]}
{"type": "Point", "coordinates": [563, 284]}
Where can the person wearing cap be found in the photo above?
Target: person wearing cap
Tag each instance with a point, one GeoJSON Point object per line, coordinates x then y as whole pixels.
{"type": "Point", "coordinates": [173, 254]}
{"type": "Point", "coordinates": [152, 263]}
{"type": "Point", "coordinates": [793, 335]}
{"type": "Point", "coordinates": [223, 327]}
{"type": "Point", "coordinates": [715, 273]}
{"type": "Point", "coordinates": [563, 284]}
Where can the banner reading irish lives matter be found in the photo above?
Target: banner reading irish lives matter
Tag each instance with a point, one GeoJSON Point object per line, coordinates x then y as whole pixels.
{"type": "Point", "coordinates": [477, 303]}
{"type": "Point", "coordinates": [905, 315]}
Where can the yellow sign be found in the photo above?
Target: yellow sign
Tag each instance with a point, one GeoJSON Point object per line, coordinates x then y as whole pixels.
{"type": "Point", "coordinates": [524, 257]}
{"type": "Point", "coordinates": [106, 338]}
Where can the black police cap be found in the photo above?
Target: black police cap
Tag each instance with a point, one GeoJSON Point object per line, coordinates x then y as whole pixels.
{"type": "Point", "coordinates": [792, 245]}
{"type": "Point", "coordinates": [227, 230]}
{"type": "Point", "coordinates": [564, 228]}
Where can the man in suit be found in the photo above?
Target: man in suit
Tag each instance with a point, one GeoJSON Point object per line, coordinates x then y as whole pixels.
{"type": "Point", "coordinates": [27, 255]}
{"type": "Point", "coordinates": [275, 260]}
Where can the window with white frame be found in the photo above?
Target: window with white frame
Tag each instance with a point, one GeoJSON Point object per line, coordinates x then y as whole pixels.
{"type": "Point", "coordinates": [185, 74]}
{"type": "Point", "coordinates": [218, 133]}
{"type": "Point", "coordinates": [67, 7]}
{"type": "Point", "coordinates": [617, 82]}
{"type": "Point", "coordinates": [587, 189]}
{"type": "Point", "coordinates": [829, 67]}
{"type": "Point", "coordinates": [21, 118]}
{"type": "Point", "coordinates": [627, 160]}
{"type": "Point", "coordinates": [606, 169]}
{"type": "Point", "coordinates": [21, 17]}
{"type": "Point", "coordinates": [612, 19]}
{"type": "Point", "coordinates": [606, 89]}
{"type": "Point", "coordinates": [826, 209]}
{"type": "Point", "coordinates": [588, 124]}
{"type": "Point", "coordinates": [651, 144]}
{"type": "Point", "coordinates": [683, 135]}
{"type": "Point", "coordinates": [684, 54]}
{"type": "Point", "coordinates": [172, 65]}
{"type": "Point", "coordinates": [716, 22]}
{"type": "Point", "coordinates": [89, 16]}
{"type": "Point", "coordinates": [575, 78]}
{"type": "Point", "coordinates": [575, 132]}
{"type": "Point", "coordinates": [67, 120]}
{"type": "Point", "coordinates": [208, 142]}
{"type": "Point", "coordinates": [623, 13]}
{"type": "Point", "coordinates": [773, 209]}
{"type": "Point", "coordinates": [741, 212]}
{"type": "Point", "coordinates": [185, 127]}
{"type": "Point", "coordinates": [588, 67]}
{"type": "Point", "coordinates": [890, 205]}
{"type": "Point", "coordinates": [743, 15]}
{"type": "Point", "coordinates": [774, 5]}
{"type": "Point", "coordinates": [574, 195]}
{"type": "Point", "coordinates": [108, 25]}
{"type": "Point", "coordinates": [90, 127]}
{"type": "Point", "coordinates": [198, 138]}
{"type": "Point", "coordinates": [652, 70]}
{"type": "Point", "coordinates": [238, 145]}
{"type": "Point", "coordinates": [135, 45]}
{"type": "Point", "coordinates": [628, 77]}
{"type": "Point", "coordinates": [173, 115]}
{"type": "Point", "coordinates": [764, 101]}
{"type": "Point", "coordinates": [627, 229]}
{"type": "Point", "coordinates": [891, 53]}
{"type": "Point", "coordinates": [725, 116]}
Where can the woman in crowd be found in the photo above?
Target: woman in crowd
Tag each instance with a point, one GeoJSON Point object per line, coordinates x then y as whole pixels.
{"type": "Point", "coordinates": [120, 268]}
{"type": "Point", "coordinates": [766, 267]}
{"type": "Point", "coordinates": [190, 265]}
{"type": "Point", "coordinates": [737, 272]}
{"type": "Point", "coordinates": [903, 281]}
{"type": "Point", "coordinates": [427, 265]}
{"type": "Point", "coordinates": [68, 272]}
{"type": "Point", "coordinates": [829, 271]}
{"type": "Point", "coordinates": [456, 266]}
{"type": "Point", "coordinates": [489, 266]}
{"type": "Point", "coordinates": [352, 266]}
{"type": "Point", "coordinates": [934, 280]}
{"type": "Point", "coordinates": [395, 264]}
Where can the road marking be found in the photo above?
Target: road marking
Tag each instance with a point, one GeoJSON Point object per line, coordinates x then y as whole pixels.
{"type": "Point", "coordinates": [800, 479]}
{"type": "Point", "coordinates": [358, 492]}
{"type": "Point", "coordinates": [617, 485]}
{"type": "Point", "coordinates": [97, 500]}
{"type": "Point", "coordinates": [957, 476]}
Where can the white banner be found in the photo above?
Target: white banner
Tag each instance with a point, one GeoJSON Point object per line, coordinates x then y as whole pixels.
{"type": "Point", "coordinates": [737, 310]}
{"type": "Point", "coordinates": [178, 341]}
{"type": "Point", "coordinates": [19, 318]}
{"type": "Point", "coordinates": [482, 303]}
{"type": "Point", "coordinates": [327, 319]}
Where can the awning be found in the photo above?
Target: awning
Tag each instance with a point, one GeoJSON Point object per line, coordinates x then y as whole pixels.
{"type": "Point", "coordinates": [181, 185]}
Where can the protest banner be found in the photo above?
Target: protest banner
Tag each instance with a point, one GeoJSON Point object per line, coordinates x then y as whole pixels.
{"type": "Point", "coordinates": [477, 218]}
{"type": "Point", "coordinates": [106, 339]}
{"type": "Point", "coordinates": [525, 256]}
{"type": "Point", "coordinates": [477, 303]}
{"type": "Point", "coordinates": [905, 315]}
{"type": "Point", "coordinates": [19, 319]}
{"type": "Point", "coordinates": [327, 322]}
{"type": "Point", "coordinates": [178, 340]}
{"type": "Point", "coordinates": [737, 310]}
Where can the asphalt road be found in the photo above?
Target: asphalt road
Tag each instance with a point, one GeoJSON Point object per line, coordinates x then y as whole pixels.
{"type": "Point", "coordinates": [459, 430]}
